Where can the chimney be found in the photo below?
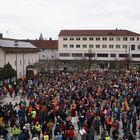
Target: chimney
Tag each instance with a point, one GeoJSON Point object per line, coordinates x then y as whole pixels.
{"type": "Point", "coordinates": [50, 38]}
{"type": "Point", "coordinates": [1, 35]}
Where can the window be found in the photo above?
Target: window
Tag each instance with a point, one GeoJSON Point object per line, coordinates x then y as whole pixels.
{"type": "Point", "coordinates": [65, 38]}
{"type": "Point", "coordinates": [123, 55]}
{"type": "Point", "coordinates": [138, 38]}
{"type": "Point", "coordinates": [91, 38]}
{"type": "Point", "coordinates": [124, 46]}
{"type": "Point", "coordinates": [71, 38]}
{"type": "Point", "coordinates": [117, 46]}
{"type": "Point", "coordinates": [84, 46]}
{"type": "Point", "coordinates": [139, 47]}
{"type": "Point", "coordinates": [64, 54]}
{"type": "Point", "coordinates": [132, 47]}
{"type": "Point", "coordinates": [132, 38]}
{"type": "Point", "coordinates": [124, 38]}
{"type": "Point", "coordinates": [97, 38]}
{"type": "Point", "coordinates": [71, 46]}
{"type": "Point", "coordinates": [84, 38]}
{"type": "Point", "coordinates": [104, 46]}
{"type": "Point", "coordinates": [113, 55]}
{"type": "Point", "coordinates": [77, 46]}
{"type": "Point", "coordinates": [118, 38]}
{"type": "Point", "coordinates": [15, 62]}
{"type": "Point", "coordinates": [89, 55]}
{"type": "Point", "coordinates": [90, 46]}
{"type": "Point", "coordinates": [136, 55]}
{"type": "Point", "coordinates": [77, 38]}
{"type": "Point", "coordinates": [110, 46]}
{"type": "Point", "coordinates": [77, 55]}
{"type": "Point", "coordinates": [111, 38]}
{"type": "Point", "coordinates": [97, 46]}
{"type": "Point", "coordinates": [104, 38]}
{"type": "Point", "coordinates": [102, 55]}
{"type": "Point", "coordinates": [43, 56]}
{"type": "Point", "coordinates": [65, 46]}
{"type": "Point", "coordinates": [28, 61]}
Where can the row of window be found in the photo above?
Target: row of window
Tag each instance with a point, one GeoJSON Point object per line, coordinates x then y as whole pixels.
{"type": "Point", "coordinates": [101, 38]}
{"type": "Point", "coordinates": [100, 46]}
{"type": "Point", "coordinates": [98, 55]}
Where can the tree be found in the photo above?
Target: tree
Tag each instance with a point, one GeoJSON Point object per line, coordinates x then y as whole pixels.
{"type": "Point", "coordinates": [1, 75]}
{"type": "Point", "coordinates": [8, 72]}
{"type": "Point", "coordinates": [29, 74]}
{"type": "Point", "coordinates": [90, 56]}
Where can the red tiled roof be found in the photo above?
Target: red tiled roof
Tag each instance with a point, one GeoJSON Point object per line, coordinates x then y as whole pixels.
{"type": "Point", "coordinates": [45, 44]}
{"type": "Point", "coordinates": [116, 32]}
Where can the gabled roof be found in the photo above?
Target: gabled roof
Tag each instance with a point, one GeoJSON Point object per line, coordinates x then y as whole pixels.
{"type": "Point", "coordinates": [45, 44]}
{"type": "Point", "coordinates": [116, 32]}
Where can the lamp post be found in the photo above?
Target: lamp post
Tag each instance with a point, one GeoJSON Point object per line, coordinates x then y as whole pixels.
{"type": "Point", "coordinates": [16, 45]}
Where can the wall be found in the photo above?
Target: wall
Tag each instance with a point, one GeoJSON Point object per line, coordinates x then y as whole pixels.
{"type": "Point", "coordinates": [23, 60]}
{"type": "Point", "coordinates": [48, 54]}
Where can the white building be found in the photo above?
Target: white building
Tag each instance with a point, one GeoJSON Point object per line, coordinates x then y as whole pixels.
{"type": "Point", "coordinates": [19, 54]}
{"type": "Point", "coordinates": [48, 48]}
{"type": "Point", "coordinates": [105, 45]}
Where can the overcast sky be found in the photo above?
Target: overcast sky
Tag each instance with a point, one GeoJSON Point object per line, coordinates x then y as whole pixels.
{"type": "Point", "coordinates": [28, 18]}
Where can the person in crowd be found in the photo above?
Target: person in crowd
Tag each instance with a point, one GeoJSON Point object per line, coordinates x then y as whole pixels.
{"type": "Point", "coordinates": [16, 131]}
{"type": "Point", "coordinates": [45, 136]}
{"type": "Point", "coordinates": [38, 129]}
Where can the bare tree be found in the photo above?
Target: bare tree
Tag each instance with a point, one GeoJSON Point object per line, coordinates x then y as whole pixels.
{"type": "Point", "coordinates": [89, 55]}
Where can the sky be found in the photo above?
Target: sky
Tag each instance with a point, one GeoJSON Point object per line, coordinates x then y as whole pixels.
{"type": "Point", "coordinates": [26, 19]}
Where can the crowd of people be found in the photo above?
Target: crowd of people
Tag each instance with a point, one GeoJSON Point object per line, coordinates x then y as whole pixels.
{"type": "Point", "coordinates": [106, 104]}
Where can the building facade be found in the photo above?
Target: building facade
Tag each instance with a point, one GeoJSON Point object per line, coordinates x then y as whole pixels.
{"type": "Point", "coordinates": [48, 48]}
{"type": "Point", "coordinates": [19, 54]}
{"type": "Point", "coordinates": [105, 45]}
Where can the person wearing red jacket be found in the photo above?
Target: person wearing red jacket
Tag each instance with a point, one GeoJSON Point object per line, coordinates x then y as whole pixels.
{"type": "Point", "coordinates": [70, 133]}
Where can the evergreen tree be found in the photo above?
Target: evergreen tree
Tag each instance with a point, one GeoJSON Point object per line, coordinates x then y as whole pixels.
{"type": "Point", "coordinates": [8, 72]}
